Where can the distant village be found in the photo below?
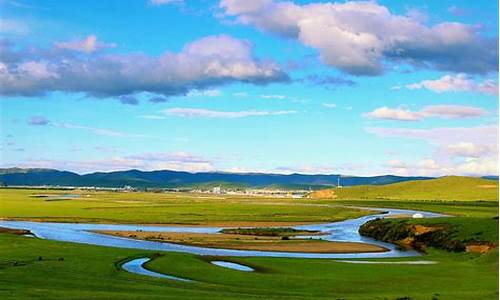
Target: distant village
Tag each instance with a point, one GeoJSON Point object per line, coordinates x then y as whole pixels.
{"type": "Point", "coordinates": [215, 190]}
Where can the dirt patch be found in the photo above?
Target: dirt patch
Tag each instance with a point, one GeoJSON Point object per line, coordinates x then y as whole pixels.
{"type": "Point", "coordinates": [14, 231]}
{"type": "Point", "coordinates": [328, 194]}
{"type": "Point", "coordinates": [248, 242]}
{"type": "Point", "coordinates": [420, 229]}
{"type": "Point", "coordinates": [479, 248]}
{"type": "Point", "coordinates": [488, 186]}
{"type": "Point", "coordinates": [399, 216]}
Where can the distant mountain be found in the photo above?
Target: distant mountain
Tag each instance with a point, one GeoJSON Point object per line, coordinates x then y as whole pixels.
{"type": "Point", "coordinates": [167, 178]}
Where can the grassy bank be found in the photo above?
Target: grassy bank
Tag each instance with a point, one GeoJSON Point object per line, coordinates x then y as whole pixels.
{"type": "Point", "coordinates": [445, 188]}
{"type": "Point", "coordinates": [90, 272]}
{"type": "Point", "coordinates": [451, 234]}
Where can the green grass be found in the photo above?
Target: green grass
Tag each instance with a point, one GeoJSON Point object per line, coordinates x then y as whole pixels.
{"type": "Point", "coordinates": [479, 229]}
{"type": "Point", "coordinates": [483, 209]}
{"type": "Point", "coordinates": [91, 272]}
{"type": "Point", "coordinates": [166, 208]}
{"type": "Point", "coordinates": [445, 188]}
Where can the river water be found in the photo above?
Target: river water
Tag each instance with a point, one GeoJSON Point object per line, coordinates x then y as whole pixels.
{"type": "Point", "coordinates": [337, 231]}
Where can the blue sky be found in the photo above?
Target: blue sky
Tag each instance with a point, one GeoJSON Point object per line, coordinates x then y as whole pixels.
{"type": "Point", "coordinates": [358, 88]}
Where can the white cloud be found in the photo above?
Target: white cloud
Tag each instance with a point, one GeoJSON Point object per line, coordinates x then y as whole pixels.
{"type": "Point", "coordinates": [100, 131]}
{"type": "Point", "coordinates": [329, 105]}
{"type": "Point", "coordinates": [273, 96]}
{"type": "Point", "coordinates": [486, 134]}
{"type": "Point", "coordinates": [431, 167]}
{"type": "Point", "coordinates": [358, 37]}
{"type": "Point", "coordinates": [457, 151]}
{"type": "Point", "coordinates": [392, 114]}
{"type": "Point", "coordinates": [88, 45]}
{"type": "Point", "coordinates": [205, 93]}
{"type": "Point", "coordinates": [240, 94]}
{"type": "Point", "coordinates": [205, 113]}
{"type": "Point", "coordinates": [470, 150]}
{"type": "Point", "coordinates": [431, 111]}
{"type": "Point", "coordinates": [456, 83]}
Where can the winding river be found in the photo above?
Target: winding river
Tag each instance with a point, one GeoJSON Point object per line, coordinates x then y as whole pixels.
{"type": "Point", "coordinates": [346, 230]}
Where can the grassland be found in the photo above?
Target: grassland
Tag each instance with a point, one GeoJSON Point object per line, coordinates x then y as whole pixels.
{"type": "Point", "coordinates": [445, 188]}
{"type": "Point", "coordinates": [91, 272]}
{"type": "Point", "coordinates": [165, 208]}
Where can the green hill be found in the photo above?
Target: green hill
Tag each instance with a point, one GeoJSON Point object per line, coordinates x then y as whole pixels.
{"type": "Point", "coordinates": [444, 188]}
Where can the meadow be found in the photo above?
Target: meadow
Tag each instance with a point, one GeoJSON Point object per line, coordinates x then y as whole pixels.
{"type": "Point", "coordinates": [164, 208]}
{"type": "Point", "coordinates": [36, 268]}
{"type": "Point", "coordinates": [91, 272]}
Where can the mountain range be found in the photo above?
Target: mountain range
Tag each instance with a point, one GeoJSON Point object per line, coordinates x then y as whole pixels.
{"type": "Point", "coordinates": [170, 179]}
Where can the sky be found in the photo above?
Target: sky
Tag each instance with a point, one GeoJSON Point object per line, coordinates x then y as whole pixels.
{"type": "Point", "coordinates": [313, 87]}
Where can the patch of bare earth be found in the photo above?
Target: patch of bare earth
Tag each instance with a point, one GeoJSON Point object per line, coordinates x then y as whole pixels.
{"type": "Point", "coordinates": [321, 194]}
{"type": "Point", "coordinates": [479, 248]}
{"type": "Point", "coordinates": [249, 242]}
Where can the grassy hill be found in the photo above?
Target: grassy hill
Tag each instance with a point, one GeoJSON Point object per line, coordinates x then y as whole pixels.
{"type": "Point", "coordinates": [444, 188]}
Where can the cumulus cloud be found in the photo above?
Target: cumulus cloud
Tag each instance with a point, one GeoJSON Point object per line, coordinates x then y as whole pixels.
{"type": "Point", "coordinates": [38, 121]}
{"type": "Point", "coordinates": [205, 113]}
{"type": "Point", "coordinates": [431, 111]}
{"type": "Point", "coordinates": [457, 151]}
{"type": "Point", "coordinates": [469, 150]}
{"type": "Point", "coordinates": [359, 37]}
{"type": "Point", "coordinates": [456, 83]}
{"type": "Point", "coordinates": [88, 45]}
{"type": "Point", "coordinates": [431, 167]}
{"type": "Point", "coordinates": [200, 65]}
{"type": "Point", "coordinates": [387, 113]}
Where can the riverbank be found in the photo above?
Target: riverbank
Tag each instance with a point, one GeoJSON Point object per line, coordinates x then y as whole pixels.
{"type": "Point", "coordinates": [450, 234]}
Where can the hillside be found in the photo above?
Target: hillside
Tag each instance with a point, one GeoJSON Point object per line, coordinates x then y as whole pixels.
{"type": "Point", "coordinates": [444, 188]}
{"type": "Point", "coordinates": [167, 178]}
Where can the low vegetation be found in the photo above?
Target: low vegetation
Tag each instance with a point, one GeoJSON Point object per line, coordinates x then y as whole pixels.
{"type": "Point", "coordinates": [268, 231]}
